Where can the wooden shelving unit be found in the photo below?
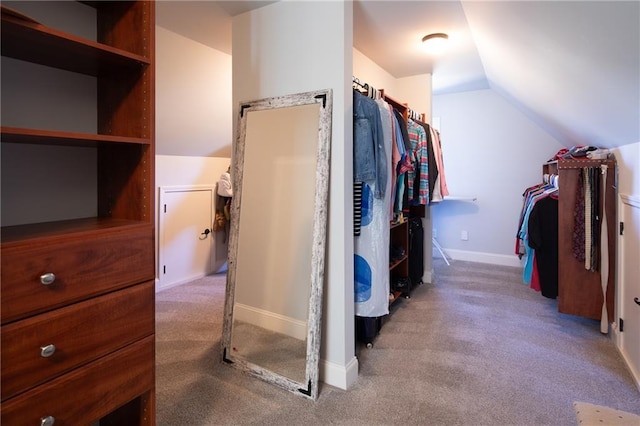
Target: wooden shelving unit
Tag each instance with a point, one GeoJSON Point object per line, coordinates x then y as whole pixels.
{"type": "Point", "coordinates": [77, 294]}
{"type": "Point", "coordinates": [580, 290]}
{"type": "Point", "coordinates": [399, 238]}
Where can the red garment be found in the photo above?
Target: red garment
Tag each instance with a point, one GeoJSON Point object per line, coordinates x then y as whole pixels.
{"type": "Point", "coordinates": [535, 277]}
{"type": "Point", "coordinates": [559, 154]}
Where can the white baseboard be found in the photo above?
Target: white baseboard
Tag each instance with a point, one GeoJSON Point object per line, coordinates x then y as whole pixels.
{"type": "Point", "coordinates": [480, 257]}
{"type": "Point", "coordinates": [271, 321]}
{"type": "Point", "coordinates": [635, 375]}
{"type": "Point", "coordinates": [162, 286]}
{"type": "Point", "coordinates": [341, 377]}
{"type": "Point", "coordinates": [427, 277]}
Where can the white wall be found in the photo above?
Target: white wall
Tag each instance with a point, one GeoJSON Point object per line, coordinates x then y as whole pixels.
{"type": "Point", "coordinates": [628, 159]}
{"type": "Point", "coordinates": [367, 71]}
{"type": "Point", "coordinates": [193, 117]}
{"type": "Point", "coordinates": [193, 98]}
{"type": "Point", "coordinates": [416, 91]}
{"type": "Point", "coordinates": [292, 47]}
{"type": "Point", "coordinates": [183, 170]}
{"type": "Point", "coordinates": [492, 152]}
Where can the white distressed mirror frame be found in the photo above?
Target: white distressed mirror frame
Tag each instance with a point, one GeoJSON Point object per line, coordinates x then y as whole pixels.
{"type": "Point", "coordinates": [309, 388]}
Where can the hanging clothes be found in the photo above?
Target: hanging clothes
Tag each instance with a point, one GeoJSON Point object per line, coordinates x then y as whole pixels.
{"type": "Point", "coordinates": [418, 178]}
{"type": "Point", "coordinates": [542, 231]}
{"type": "Point", "coordinates": [405, 164]}
{"type": "Point", "coordinates": [403, 129]}
{"type": "Point", "coordinates": [531, 196]}
{"type": "Point", "coordinates": [357, 208]}
{"type": "Point", "coordinates": [371, 247]}
{"type": "Point", "coordinates": [396, 157]}
{"type": "Point", "coordinates": [432, 164]}
{"type": "Point", "coordinates": [578, 239]}
{"type": "Point", "coordinates": [583, 247]}
{"type": "Point", "coordinates": [370, 161]}
{"type": "Point", "coordinates": [441, 183]}
{"type": "Point", "coordinates": [587, 221]}
{"type": "Point", "coordinates": [594, 178]}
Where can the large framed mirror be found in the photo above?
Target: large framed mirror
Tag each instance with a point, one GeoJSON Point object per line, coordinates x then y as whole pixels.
{"type": "Point", "coordinates": [280, 175]}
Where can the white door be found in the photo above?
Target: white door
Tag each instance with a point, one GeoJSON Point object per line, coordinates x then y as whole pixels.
{"type": "Point", "coordinates": [186, 239]}
{"type": "Point", "coordinates": [629, 300]}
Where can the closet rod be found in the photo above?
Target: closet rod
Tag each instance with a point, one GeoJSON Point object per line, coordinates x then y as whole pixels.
{"type": "Point", "coordinates": [357, 82]}
{"type": "Point", "coordinates": [371, 91]}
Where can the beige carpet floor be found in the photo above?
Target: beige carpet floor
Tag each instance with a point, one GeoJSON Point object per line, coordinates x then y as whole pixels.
{"type": "Point", "coordinates": [475, 347]}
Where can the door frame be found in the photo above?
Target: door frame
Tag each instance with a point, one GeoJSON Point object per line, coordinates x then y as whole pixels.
{"type": "Point", "coordinates": [162, 197]}
{"type": "Point", "coordinates": [634, 203]}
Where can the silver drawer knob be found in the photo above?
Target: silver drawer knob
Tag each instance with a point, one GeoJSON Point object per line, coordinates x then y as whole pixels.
{"type": "Point", "coordinates": [47, 421]}
{"type": "Point", "coordinates": [48, 278]}
{"type": "Point", "coordinates": [46, 352]}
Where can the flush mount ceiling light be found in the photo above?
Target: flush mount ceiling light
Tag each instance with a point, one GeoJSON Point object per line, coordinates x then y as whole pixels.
{"type": "Point", "coordinates": [435, 43]}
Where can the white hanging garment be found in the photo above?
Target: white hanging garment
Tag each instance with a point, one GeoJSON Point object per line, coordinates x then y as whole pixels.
{"type": "Point", "coordinates": [371, 248]}
{"type": "Point", "coordinates": [224, 185]}
{"type": "Point", "coordinates": [604, 254]}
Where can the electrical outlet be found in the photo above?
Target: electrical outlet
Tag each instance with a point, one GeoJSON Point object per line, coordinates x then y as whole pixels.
{"type": "Point", "coordinates": [464, 235]}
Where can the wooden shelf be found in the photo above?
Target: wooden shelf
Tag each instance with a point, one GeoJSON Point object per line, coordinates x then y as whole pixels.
{"type": "Point", "coordinates": [396, 295]}
{"type": "Point", "coordinates": [395, 263]}
{"type": "Point", "coordinates": [55, 272]}
{"type": "Point", "coordinates": [20, 233]}
{"type": "Point", "coordinates": [52, 137]}
{"type": "Point", "coordinates": [399, 238]}
{"type": "Point", "coordinates": [36, 43]}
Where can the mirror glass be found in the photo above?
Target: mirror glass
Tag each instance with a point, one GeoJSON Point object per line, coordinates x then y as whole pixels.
{"type": "Point", "coordinates": [280, 175]}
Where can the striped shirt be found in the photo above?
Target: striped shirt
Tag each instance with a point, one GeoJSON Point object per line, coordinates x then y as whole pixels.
{"type": "Point", "coordinates": [420, 153]}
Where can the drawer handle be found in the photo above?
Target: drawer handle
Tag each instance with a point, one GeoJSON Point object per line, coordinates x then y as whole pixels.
{"type": "Point", "coordinates": [47, 421]}
{"type": "Point", "coordinates": [47, 351]}
{"type": "Point", "coordinates": [48, 278]}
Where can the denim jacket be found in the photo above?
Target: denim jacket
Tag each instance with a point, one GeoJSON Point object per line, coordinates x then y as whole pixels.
{"type": "Point", "coordinates": [369, 158]}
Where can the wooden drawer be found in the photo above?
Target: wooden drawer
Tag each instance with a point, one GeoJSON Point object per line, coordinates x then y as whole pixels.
{"type": "Point", "coordinates": [84, 265]}
{"type": "Point", "coordinates": [90, 392]}
{"type": "Point", "coordinates": [81, 332]}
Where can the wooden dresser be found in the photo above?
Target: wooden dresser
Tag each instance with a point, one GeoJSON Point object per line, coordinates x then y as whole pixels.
{"type": "Point", "coordinates": [77, 301]}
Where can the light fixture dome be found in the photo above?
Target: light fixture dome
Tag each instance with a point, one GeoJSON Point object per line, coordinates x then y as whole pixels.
{"type": "Point", "coordinates": [435, 43]}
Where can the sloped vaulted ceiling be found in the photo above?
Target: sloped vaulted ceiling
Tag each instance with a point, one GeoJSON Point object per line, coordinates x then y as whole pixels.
{"type": "Point", "coordinates": [573, 67]}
